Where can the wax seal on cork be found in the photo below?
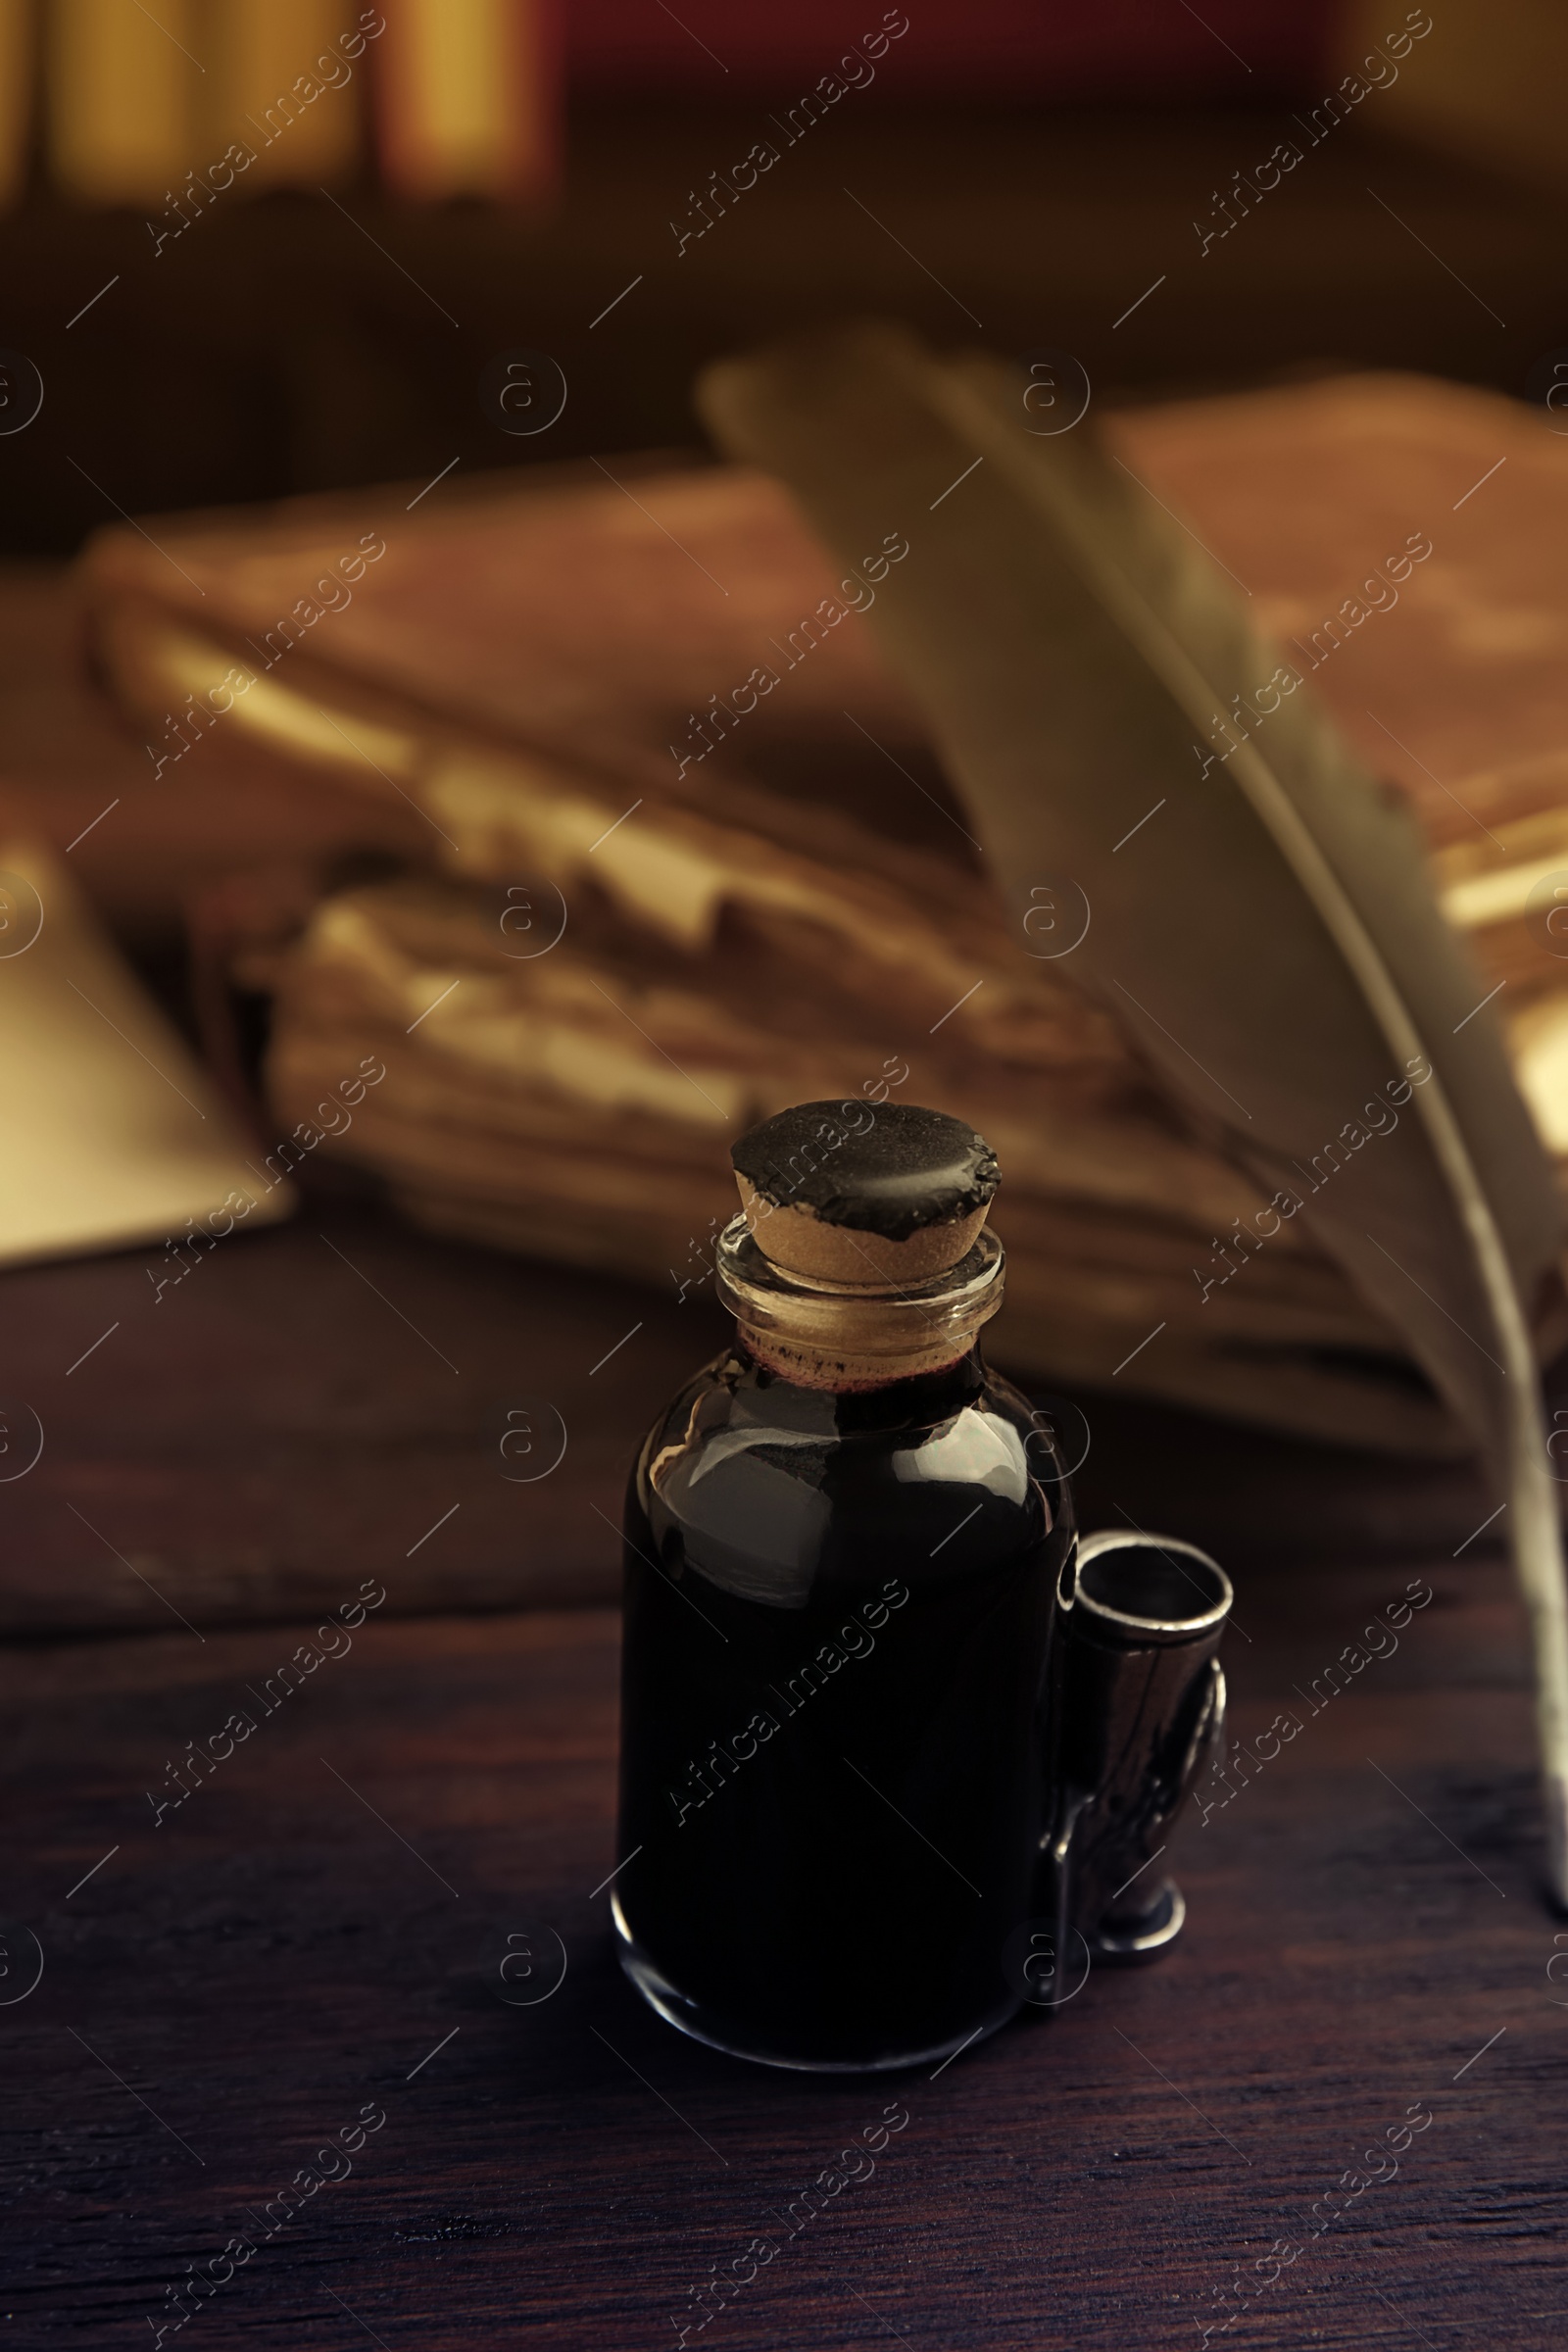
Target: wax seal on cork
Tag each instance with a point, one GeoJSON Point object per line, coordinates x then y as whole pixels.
{"type": "Point", "coordinates": [845, 1193]}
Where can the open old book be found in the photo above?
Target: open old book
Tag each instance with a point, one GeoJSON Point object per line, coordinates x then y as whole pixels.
{"type": "Point", "coordinates": [690, 857]}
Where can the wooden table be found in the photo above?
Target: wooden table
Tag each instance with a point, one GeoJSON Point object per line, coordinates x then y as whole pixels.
{"type": "Point", "coordinates": [311, 1938]}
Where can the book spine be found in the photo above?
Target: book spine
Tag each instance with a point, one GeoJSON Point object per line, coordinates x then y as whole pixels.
{"type": "Point", "coordinates": [123, 98]}
{"type": "Point", "coordinates": [16, 97]}
{"type": "Point", "coordinates": [286, 81]}
{"type": "Point", "coordinates": [468, 98]}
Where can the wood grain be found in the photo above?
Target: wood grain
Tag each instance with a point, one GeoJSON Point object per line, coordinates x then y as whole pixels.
{"type": "Point", "coordinates": [298, 1938]}
{"type": "Point", "coordinates": [288, 1420]}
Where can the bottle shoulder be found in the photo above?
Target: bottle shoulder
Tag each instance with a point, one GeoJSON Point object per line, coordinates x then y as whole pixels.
{"type": "Point", "coordinates": [971, 1425]}
{"type": "Point", "coordinates": [772, 1488]}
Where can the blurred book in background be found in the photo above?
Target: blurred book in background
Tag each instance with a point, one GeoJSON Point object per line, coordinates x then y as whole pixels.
{"type": "Point", "coordinates": [121, 99]}
{"type": "Point", "coordinates": [278, 84]}
{"type": "Point", "coordinates": [468, 97]}
{"type": "Point", "coordinates": [687, 857]}
{"type": "Point", "coordinates": [184, 103]}
{"type": "Point", "coordinates": [1490, 84]}
{"type": "Point", "coordinates": [16, 96]}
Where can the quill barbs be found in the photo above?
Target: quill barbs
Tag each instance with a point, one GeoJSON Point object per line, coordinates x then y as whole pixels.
{"type": "Point", "coordinates": [1273, 949]}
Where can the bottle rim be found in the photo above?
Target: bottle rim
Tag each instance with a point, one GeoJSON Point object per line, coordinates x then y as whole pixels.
{"type": "Point", "coordinates": [928, 1323]}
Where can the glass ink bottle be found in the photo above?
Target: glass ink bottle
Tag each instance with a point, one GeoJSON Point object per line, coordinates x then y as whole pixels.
{"type": "Point", "coordinates": [844, 1540]}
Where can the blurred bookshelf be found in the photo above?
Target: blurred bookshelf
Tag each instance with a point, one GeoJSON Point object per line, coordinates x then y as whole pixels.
{"type": "Point", "coordinates": [294, 340]}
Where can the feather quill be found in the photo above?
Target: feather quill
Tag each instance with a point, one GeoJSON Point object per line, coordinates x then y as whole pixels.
{"type": "Point", "coordinates": [1262, 918]}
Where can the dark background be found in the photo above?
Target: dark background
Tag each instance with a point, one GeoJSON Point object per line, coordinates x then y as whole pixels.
{"type": "Point", "coordinates": [273, 347]}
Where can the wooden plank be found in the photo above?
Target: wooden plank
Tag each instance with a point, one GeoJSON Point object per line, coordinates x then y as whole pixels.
{"type": "Point", "coordinates": [302, 1938]}
{"type": "Point", "coordinates": [291, 1418]}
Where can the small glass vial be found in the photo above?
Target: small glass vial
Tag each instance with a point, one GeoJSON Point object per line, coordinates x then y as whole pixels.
{"type": "Point", "coordinates": [843, 1545]}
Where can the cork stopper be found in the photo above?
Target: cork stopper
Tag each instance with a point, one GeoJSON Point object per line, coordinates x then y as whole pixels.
{"type": "Point", "coordinates": [864, 1196]}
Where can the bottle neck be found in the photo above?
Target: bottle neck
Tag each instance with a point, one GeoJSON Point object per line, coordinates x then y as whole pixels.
{"type": "Point", "coordinates": [844, 1337]}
